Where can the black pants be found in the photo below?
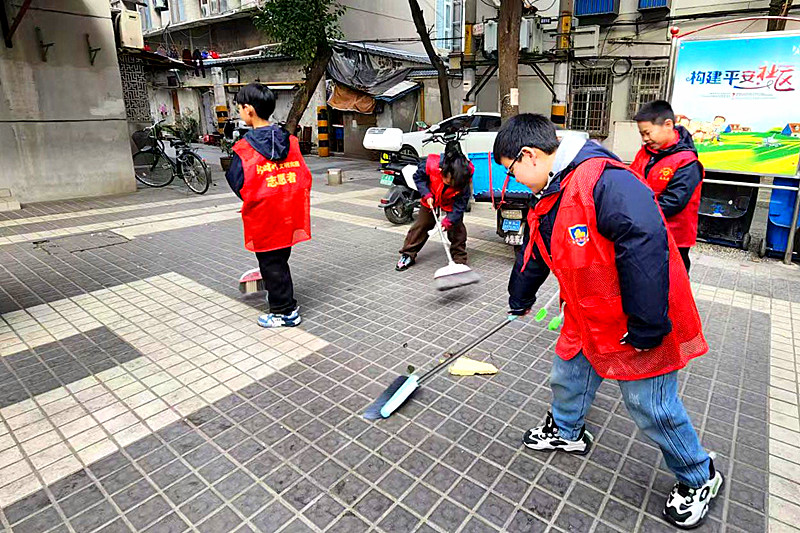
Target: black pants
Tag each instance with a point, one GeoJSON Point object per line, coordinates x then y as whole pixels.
{"type": "Point", "coordinates": [685, 256]}
{"type": "Point", "coordinates": [277, 278]}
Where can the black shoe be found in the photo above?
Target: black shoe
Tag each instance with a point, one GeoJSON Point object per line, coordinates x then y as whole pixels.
{"type": "Point", "coordinates": [547, 438]}
{"type": "Point", "coordinates": [405, 262]}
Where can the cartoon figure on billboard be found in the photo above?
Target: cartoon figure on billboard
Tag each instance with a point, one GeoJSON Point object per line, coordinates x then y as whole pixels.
{"type": "Point", "coordinates": [718, 127]}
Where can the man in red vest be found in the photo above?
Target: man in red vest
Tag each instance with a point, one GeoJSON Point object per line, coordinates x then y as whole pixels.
{"type": "Point", "coordinates": [668, 162]}
{"type": "Point", "coordinates": [443, 181]}
{"type": "Point", "coordinates": [268, 173]}
{"type": "Point", "coordinates": [629, 313]}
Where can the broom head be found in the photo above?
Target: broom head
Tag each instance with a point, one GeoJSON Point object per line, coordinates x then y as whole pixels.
{"type": "Point", "coordinates": [251, 281]}
{"type": "Point", "coordinates": [453, 276]}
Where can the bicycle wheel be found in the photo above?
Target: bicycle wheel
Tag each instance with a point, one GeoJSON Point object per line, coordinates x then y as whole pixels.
{"type": "Point", "coordinates": [153, 169]}
{"type": "Point", "coordinates": [194, 172]}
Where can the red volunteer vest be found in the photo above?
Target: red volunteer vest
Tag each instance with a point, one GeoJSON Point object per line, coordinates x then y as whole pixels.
{"type": "Point", "coordinates": [584, 263]}
{"type": "Point", "coordinates": [683, 226]}
{"type": "Point", "coordinates": [276, 198]}
{"type": "Point", "coordinates": [443, 198]}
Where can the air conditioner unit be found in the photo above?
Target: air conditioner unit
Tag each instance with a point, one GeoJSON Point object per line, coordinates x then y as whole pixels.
{"type": "Point", "coordinates": [130, 30]}
{"type": "Point", "coordinates": [160, 5]}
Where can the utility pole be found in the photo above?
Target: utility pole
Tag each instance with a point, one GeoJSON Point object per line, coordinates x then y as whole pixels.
{"type": "Point", "coordinates": [470, 16]}
{"type": "Point", "coordinates": [508, 56]}
{"type": "Point", "coordinates": [558, 111]}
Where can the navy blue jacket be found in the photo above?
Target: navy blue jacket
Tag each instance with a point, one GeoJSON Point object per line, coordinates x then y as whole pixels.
{"type": "Point", "coordinates": [674, 198]}
{"type": "Point", "coordinates": [460, 203]}
{"type": "Point", "coordinates": [270, 141]}
{"type": "Point", "coordinates": [627, 215]}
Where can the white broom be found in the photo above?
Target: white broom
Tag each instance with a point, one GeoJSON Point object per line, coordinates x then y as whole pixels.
{"type": "Point", "coordinates": [453, 275]}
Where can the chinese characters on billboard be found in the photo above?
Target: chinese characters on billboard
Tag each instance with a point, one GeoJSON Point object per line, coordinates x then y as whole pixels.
{"type": "Point", "coordinates": [740, 99]}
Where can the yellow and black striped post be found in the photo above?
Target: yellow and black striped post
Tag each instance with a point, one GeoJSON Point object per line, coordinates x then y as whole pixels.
{"type": "Point", "coordinates": [322, 131]}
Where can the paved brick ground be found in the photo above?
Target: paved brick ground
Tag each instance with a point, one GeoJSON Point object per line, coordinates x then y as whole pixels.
{"type": "Point", "coordinates": [137, 395]}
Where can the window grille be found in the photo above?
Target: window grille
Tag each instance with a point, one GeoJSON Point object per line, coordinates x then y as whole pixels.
{"type": "Point", "coordinates": [590, 100]}
{"type": "Point", "coordinates": [647, 84]}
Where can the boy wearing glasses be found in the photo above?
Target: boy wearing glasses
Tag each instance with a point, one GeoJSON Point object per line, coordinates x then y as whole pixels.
{"type": "Point", "coordinates": [629, 313]}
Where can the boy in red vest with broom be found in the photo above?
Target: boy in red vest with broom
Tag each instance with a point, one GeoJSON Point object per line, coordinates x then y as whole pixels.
{"type": "Point", "coordinates": [268, 173]}
{"type": "Point", "coordinates": [668, 162]}
{"type": "Point", "coordinates": [629, 313]}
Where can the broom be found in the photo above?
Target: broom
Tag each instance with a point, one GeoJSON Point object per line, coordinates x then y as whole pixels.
{"type": "Point", "coordinates": [453, 275]}
{"type": "Point", "coordinates": [403, 386]}
{"type": "Point", "coordinates": [251, 282]}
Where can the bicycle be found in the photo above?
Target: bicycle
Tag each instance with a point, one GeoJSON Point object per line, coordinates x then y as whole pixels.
{"type": "Point", "coordinates": [155, 168]}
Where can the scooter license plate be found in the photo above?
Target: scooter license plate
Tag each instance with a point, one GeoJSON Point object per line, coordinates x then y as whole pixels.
{"type": "Point", "coordinates": [511, 225]}
{"type": "Point", "coordinates": [386, 179]}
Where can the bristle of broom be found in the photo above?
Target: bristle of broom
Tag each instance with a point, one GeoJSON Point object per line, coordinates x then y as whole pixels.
{"type": "Point", "coordinates": [453, 281]}
{"type": "Point", "coordinates": [373, 412]}
{"type": "Point", "coordinates": [250, 287]}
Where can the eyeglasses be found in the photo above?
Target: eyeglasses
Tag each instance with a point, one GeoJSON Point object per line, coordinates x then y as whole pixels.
{"type": "Point", "coordinates": [510, 171]}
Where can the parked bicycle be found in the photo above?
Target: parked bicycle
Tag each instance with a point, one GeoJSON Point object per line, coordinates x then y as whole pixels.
{"type": "Point", "coordinates": [155, 168]}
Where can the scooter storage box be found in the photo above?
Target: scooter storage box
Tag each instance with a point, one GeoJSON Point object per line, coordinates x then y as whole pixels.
{"type": "Point", "coordinates": [490, 176]}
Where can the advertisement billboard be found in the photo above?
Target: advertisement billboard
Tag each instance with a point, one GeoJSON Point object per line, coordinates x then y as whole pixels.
{"type": "Point", "coordinates": [739, 96]}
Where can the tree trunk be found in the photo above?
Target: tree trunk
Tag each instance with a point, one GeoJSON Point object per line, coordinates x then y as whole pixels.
{"type": "Point", "coordinates": [438, 64]}
{"type": "Point", "coordinates": [315, 73]}
{"type": "Point", "coordinates": [778, 8]}
{"type": "Point", "coordinates": [508, 54]}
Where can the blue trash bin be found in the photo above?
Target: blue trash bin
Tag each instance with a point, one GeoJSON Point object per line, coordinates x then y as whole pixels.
{"type": "Point", "coordinates": [489, 178]}
{"type": "Point", "coordinates": [779, 219]}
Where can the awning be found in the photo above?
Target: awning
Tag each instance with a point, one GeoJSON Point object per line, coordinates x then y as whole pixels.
{"type": "Point", "coordinates": [398, 91]}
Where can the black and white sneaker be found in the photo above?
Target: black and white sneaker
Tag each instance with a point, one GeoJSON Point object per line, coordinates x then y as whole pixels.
{"type": "Point", "coordinates": [546, 438]}
{"type": "Point", "coordinates": [686, 507]}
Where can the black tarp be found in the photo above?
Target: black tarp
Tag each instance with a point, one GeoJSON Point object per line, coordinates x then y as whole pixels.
{"type": "Point", "coordinates": [355, 69]}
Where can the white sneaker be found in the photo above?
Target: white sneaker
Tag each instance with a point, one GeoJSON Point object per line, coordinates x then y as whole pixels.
{"type": "Point", "coordinates": [271, 320]}
{"type": "Point", "coordinates": [547, 438]}
{"type": "Point", "coordinates": [686, 507]}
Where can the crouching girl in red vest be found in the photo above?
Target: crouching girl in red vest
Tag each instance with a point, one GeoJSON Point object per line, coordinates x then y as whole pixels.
{"type": "Point", "coordinates": [443, 181]}
{"type": "Point", "coordinates": [629, 313]}
{"type": "Point", "coordinates": [269, 175]}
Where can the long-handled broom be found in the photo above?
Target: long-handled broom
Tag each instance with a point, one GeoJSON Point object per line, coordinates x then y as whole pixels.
{"type": "Point", "coordinates": [453, 275]}
{"type": "Point", "coordinates": [403, 386]}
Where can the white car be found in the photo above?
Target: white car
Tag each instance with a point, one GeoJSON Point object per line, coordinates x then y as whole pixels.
{"type": "Point", "coordinates": [482, 127]}
{"type": "Point", "coordinates": [482, 131]}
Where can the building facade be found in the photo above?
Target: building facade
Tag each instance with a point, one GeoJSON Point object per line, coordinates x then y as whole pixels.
{"type": "Point", "coordinates": [63, 126]}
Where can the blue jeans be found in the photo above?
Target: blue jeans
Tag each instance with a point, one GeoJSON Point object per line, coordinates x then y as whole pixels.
{"type": "Point", "coordinates": [653, 404]}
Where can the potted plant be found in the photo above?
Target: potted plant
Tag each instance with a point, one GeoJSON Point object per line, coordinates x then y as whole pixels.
{"type": "Point", "coordinates": [227, 150]}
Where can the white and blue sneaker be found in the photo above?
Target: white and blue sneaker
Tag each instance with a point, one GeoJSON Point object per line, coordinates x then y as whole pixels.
{"type": "Point", "coordinates": [272, 320]}
{"type": "Point", "coordinates": [686, 507]}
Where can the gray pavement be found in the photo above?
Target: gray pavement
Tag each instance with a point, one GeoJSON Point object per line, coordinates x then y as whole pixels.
{"type": "Point", "coordinates": [136, 393]}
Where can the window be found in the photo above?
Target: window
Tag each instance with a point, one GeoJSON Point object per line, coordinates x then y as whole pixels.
{"type": "Point", "coordinates": [590, 99]}
{"type": "Point", "coordinates": [145, 16]}
{"type": "Point", "coordinates": [448, 24]}
{"type": "Point", "coordinates": [177, 11]}
{"type": "Point", "coordinates": [456, 123]}
{"type": "Point", "coordinates": [647, 84]}
{"type": "Point", "coordinates": [489, 123]}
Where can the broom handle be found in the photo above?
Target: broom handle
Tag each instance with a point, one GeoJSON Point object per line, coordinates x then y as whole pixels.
{"type": "Point", "coordinates": [448, 360]}
{"type": "Point", "coordinates": [441, 236]}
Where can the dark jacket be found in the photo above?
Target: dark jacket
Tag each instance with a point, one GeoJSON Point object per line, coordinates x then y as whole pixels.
{"type": "Point", "coordinates": [628, 216]}
{"type": "Point", "coordinates": [682, 185]}
{"type": "Point", "coordinates": [422, 180]}
{"type": "Point", "coordinates": [270, 141]}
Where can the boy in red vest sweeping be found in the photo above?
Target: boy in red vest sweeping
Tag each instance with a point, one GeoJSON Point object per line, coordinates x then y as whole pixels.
{"type": "Point", "coordinates": [443, 181]}
{"type": "Point", "coordinates": [629, 313]}
{"type": "Point", "coordinates": [268, 173]}
{"type": "Point", "coordinates": [668, 162]}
